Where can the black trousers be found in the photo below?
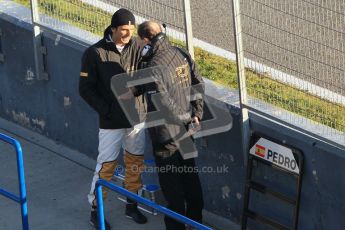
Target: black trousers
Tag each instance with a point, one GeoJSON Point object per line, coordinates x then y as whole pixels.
{"type": "Point", "coordinates": [181, 188]}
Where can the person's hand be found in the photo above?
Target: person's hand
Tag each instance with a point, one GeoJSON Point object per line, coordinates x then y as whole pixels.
{"type": "Point", "coordinates": [195, 120]}
{"type": "Point", "coordinates": [194, 126]}
{"type": "Point", "coordinates": [126, 96]}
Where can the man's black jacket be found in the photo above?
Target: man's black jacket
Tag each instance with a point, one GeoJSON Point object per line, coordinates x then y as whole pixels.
{"type": "Point", "coordinates": [174, 73]}
{"type": "Point", "coordinates": [100, 63]}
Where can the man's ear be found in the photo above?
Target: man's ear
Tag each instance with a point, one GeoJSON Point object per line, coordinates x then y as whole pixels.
{"type": "Point", "coordinates": [146, 40]}
{"type": "Point", "coordinates": [113, 29]}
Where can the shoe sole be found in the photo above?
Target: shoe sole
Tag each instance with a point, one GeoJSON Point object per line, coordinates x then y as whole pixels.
{"type": "Point", "coordinates": [129, 217]}
{"type": "Point", "coordinates": [92, 224]}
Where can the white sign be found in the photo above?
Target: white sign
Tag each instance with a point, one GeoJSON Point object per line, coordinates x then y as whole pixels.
{"type": "Point", "coordinates": [276, 154]}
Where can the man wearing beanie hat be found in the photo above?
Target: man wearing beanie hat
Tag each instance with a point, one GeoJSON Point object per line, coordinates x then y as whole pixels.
{"type": "Point", "coordinates": [116, 53]}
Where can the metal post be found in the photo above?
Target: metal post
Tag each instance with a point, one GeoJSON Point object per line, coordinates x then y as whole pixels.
{"type": "Point", "coordinates": [100, 211]}
{"type": "Point", "coordinates": [188, 27]}
{"type": "Point", "coordinates": [241, 78]}
{"type": "Point", "coordinates": [37, 42]}
{"type": "Point", "coordinates": [22, 188]}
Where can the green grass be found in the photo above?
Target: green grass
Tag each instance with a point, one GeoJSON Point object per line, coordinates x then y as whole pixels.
{"type": "Point", "coordinates": [75, 13]}
{"type": "Point", "coordinates": [211, 66]}
{"type": "Point", "coordinates": [274, 92]}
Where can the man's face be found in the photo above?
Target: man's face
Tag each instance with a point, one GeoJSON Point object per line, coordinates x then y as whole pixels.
{"type": "Point", "coordinates": [122, 34]}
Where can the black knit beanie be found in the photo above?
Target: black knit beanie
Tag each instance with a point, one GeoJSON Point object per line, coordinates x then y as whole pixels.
{"type": "Point", "coordinates": [122, 17]}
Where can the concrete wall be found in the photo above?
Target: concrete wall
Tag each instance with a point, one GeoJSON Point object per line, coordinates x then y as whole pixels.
{"type": "Point", "coordinates": [54, 109]}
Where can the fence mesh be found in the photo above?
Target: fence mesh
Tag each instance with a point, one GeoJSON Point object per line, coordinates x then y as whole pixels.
{"type": "Point", "coordinates": [297, 50]}
{"type": "Point", "coordinates": [77, 16]}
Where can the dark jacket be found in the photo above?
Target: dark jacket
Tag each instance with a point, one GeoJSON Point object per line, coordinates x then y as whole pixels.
{"type": "Point", "coordinates": [100, 63]}
{"type": "Point", "coordinates": [174, 76]}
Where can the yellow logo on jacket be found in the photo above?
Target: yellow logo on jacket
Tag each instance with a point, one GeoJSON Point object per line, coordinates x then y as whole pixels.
{"type": "Point", "coordinates": [182, 71]}
{"type": "Point", "coordinates": [84, 74]}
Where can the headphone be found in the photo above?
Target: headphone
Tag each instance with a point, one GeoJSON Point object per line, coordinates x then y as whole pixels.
{"type": "Point", "coordinates": [148, 49]}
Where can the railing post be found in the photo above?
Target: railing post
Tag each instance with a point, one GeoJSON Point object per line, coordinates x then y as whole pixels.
{"type": "Point", "coordinates": [241, 78]}
{"type": "Point", "coordinates": [100, 211]}
{"type": "Point", "coordinates": [22, 188]}
{"type": "Point", "coordinates": [39, 49]}
{"type": "Point", "coordinates": [188, 27]}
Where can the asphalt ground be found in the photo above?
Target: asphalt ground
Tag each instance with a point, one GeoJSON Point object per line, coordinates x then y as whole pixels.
{"type": "Point", "coordinates": [57, 182]}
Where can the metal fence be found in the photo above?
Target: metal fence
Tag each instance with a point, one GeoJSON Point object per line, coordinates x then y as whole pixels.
{"type": "Point", "coordinates": [87, 19]}
{"type": "Point", "coordinates": [293, 52]}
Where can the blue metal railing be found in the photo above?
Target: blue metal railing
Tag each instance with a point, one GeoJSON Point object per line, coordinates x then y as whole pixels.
{"type": "Point", "coordinates": [22, 189]}
{"type": "Point", "coordinates": [141, 200]}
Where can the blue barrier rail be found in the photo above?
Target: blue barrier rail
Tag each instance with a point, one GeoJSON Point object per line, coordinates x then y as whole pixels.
{"type": "Point", "coordinates": [141, 200]}
{"type": "Point", "coordinates": [22, 189]}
